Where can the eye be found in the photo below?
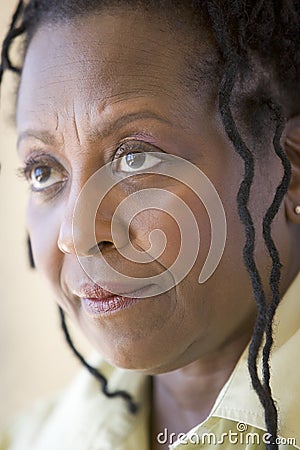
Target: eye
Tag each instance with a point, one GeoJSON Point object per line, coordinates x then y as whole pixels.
{"type": "Point", "coordinates": [42, 177]}
{"type": "Point", "coordinates": [133, 162]}
{"type": "Point", "coordinates": [43, 173]}
{"type": "Point", "coordinates": [136, 162]}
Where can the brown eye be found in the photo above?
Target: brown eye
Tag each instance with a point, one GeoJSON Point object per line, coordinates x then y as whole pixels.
{"type": "Point", "coordinates": [137, 162]}
{"type": "Point", "coordinates": [43, 177]}
{"type": "Point", "coordinates": [41, 174]}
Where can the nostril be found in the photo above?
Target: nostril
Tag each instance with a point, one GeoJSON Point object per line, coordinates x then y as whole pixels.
{"type": "Point", "coordinates": [101, 246]}
{"type": "Point", "coordinates": [105, 245]}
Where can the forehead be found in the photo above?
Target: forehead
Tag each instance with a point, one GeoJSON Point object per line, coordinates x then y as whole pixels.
{"type": "Point", "coordinates": [106, 57]}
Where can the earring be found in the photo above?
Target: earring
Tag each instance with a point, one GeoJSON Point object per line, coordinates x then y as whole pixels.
{"type": "Point", "coordinates": [297, 209]}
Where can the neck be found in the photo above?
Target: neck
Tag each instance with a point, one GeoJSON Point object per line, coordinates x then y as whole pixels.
{"type": "Point", "coordinates": [184, 397]}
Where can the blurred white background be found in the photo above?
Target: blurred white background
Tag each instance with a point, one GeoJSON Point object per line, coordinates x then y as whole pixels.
{"type": "Point", "coordinates": [35, 360]}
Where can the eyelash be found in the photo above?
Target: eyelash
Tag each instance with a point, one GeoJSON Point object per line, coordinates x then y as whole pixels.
{"type": "Point", "coordinates": [41, 160]}
{"type": "Point", "coordinates": [46, 160]}
{"type": "Point", "coordinates": [131, 147]}
{"type": "Point", "coordinates": [30, 163]}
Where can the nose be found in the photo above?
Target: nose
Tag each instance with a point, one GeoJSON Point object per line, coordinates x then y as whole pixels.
{"type": "Point", "coordinates": [84, 229]}
{"type": "Point", "coordinates": [77, 243]}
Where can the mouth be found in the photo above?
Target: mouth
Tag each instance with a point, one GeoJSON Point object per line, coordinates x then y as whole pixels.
{"type": "Point", "coordinates": [97, 301]}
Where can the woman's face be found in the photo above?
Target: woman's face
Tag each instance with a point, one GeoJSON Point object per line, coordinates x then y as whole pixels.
{"type": "Point", "coordinates": [96, 89]}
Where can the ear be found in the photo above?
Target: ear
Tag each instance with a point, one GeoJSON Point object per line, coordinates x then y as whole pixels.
{"type": "Point", "coordinates": [292, 149]}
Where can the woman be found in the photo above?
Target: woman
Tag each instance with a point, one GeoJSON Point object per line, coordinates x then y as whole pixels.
{"type": "Point", "coordinates": [187, 113]}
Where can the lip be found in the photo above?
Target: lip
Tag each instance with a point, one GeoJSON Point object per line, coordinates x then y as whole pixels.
{"type": "Point", "coordinates": [98, 301]}
{"type": "Point", "coordinates": [110, 289]}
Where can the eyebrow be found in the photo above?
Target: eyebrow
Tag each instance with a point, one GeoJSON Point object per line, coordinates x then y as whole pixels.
{"type": "Point", "coordinates": [43, 136]}
{"type": "Point", "coordinates": [49, 139]}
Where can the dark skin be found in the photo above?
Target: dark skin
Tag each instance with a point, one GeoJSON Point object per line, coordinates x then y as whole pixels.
{"type": "Point", "coordinates": [81, 77]}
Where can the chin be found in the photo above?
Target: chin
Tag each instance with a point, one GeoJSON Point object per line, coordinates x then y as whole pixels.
{"type": "Point", "coordinates": [144, 361]}
{"type": "Point", "coordinates": [131, 362]}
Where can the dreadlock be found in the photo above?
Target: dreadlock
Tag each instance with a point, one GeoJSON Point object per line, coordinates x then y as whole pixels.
{"type": "Point", "coordinates": [263, 322]}
{"type": "Point", "coordinates": [269, 31]}
{"type": "Point", "coordinates": [132, 406]}
{"type": "Point", "coordinates": [11, 35]}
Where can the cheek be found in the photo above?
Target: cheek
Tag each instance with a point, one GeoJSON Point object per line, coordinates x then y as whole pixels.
{"type": "Point", "coordinates": [178, 233]}
{"type": "Point", "coordinates": [43, 226]}
{"type": "Point", "coordinates": [156, 233]}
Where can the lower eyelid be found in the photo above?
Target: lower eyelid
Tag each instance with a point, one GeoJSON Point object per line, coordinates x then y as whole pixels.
{"type": "Point", "coordinates": [50, 192]}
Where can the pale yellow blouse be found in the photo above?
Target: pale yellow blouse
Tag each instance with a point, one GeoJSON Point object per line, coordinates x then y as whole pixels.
{"type": "Point", "coordinates": [83, 419]}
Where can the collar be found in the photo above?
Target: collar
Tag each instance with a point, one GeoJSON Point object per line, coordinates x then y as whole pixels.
{"type": "Point", "coordinates": [239, 402]}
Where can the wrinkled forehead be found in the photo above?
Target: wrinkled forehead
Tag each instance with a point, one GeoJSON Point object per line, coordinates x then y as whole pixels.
{"type": "Point", "coordinates": [105, 55]}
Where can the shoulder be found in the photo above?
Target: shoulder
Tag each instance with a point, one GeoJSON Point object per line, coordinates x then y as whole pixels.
{"type": "Point", "coordinates": [81, 416]}
{"type": "Point", "coordinates": [26, 425]}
